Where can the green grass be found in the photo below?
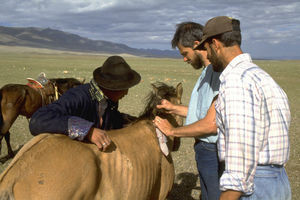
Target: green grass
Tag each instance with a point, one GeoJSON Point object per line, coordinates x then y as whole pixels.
{"type": "Point", "coordinates": [16, 64]}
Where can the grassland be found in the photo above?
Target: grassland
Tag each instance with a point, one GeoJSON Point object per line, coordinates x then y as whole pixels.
{"type": "Point", "coordinates": [16, 64]}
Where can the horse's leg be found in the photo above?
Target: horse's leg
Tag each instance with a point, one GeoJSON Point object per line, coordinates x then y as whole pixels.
{"type": "Point", "coordinates": [11, 104]}
{"type": "Point", "coordinates": [7, 140]}
{"type": "Point", "coordinates": [9, 117]}
{"type": "Point", "coordinates": [9, 149]}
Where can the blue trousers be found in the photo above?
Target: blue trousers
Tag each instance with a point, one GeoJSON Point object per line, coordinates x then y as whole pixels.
{"type": "Point", "coordinates": [209, 169]}
{"type": "Point", "coordinates": [270, 183]}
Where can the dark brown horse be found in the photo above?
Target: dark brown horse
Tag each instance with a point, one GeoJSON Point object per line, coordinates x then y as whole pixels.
{"type": "Point", "coordinates": [17, 99]}
{"type": "Point", "coordinates": [53, 166]}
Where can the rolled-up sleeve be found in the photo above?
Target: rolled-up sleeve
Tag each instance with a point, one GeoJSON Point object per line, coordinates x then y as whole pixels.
{"type": "Point", "coordinates": [78, 128]}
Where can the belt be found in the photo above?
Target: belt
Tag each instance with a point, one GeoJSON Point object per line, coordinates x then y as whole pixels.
{"type": "Point", "coordinates": [197, 141]}
{"type": "Point", "coordinates": [271, 165]}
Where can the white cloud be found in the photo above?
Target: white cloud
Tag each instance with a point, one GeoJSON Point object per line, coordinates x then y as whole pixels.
{"type": "Point", "coordinates": [79, 6]}
{"type": "Point", "coordinates": [151, 24]}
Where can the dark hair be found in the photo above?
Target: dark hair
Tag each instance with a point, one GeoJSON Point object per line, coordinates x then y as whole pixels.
{"type": "Point", "coordinates": [229, 38]}
{"type": "Point", "coordinates": [186, 34]}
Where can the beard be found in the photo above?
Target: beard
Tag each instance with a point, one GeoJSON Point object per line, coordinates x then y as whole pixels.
{"type": "Point", "coordinates": [216, 63]}
{"type": "Point", "coordinates": [197, 63]}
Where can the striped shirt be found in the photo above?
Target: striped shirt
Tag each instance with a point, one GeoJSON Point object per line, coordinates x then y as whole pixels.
{"type": "Point", "coordinates": [253, 119]}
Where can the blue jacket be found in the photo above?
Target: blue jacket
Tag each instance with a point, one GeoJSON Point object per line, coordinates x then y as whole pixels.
{"type": "Point", "coordinates": [59, 116]}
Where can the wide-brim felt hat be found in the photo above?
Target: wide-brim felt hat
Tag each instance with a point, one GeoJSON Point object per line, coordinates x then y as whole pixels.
{"type": "Point", "coordinates": [116, 74]}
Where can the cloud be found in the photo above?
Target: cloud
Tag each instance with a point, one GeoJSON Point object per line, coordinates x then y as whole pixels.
{"type": "Point", "coordinates": [151, 24]}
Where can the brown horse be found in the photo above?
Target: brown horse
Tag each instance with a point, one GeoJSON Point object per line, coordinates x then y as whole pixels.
{"type": "Point", "coordinates": [52, 166]}
{"type": "Point", "coordinates": [17, 99]}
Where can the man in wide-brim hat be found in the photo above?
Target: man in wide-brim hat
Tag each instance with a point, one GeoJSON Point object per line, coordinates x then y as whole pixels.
{"type": "Point", "coordinates": [85, 112]}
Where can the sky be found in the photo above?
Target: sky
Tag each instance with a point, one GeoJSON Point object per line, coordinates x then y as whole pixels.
{"type": "Point", "coordinates": [270, 28]}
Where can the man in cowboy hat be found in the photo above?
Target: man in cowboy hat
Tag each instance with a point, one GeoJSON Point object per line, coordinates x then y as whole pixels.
{"type": "Point", "coordinates": [85, 112]}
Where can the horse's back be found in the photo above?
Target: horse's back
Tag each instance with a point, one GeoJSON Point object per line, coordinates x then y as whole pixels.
{"type": "Point", "coordinates": [52, 167]}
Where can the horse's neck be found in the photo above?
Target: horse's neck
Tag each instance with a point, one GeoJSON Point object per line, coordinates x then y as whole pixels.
{"type": "Point", "coordinates": [148, 114]}
{"type": "Point", "coordinates": [47, 93]}
{"type": "Point", "coordinates": [49, 89]}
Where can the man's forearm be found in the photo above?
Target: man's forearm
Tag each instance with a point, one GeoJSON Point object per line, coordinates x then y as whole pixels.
{"type": "Point", "coordinates": [205, 126]}
{"type": "Point", "coordinates": [180, 110]}
{"type": "Point", "coordinates": [199, 128]}
{"type": "Point", "coordinates": [171, 108]}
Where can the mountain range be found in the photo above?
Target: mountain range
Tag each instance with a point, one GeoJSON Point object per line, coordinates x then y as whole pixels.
{"type": "Point", "coordinates": [59, 40]}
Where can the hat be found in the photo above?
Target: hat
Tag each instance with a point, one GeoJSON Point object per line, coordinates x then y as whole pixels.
{"type": "Point", "coordinates": [216, 26]}
{"type": "Point", "coordinates": [116, 74]}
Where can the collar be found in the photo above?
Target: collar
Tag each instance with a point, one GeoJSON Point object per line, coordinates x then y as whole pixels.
{"type": "Point", "coordinates": [95, 91]}
{"type": "Point", "coordinates": [205, 68]}
{"type": "Point", "coordinates": [233, 63]}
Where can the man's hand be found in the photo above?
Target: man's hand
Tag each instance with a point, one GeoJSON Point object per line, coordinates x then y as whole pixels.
{"type": "Point", "coordinates": [99, 138]}
{"type": "Point", "coordinates": [164, 126]}
{"type": "Point", "coordinates": [171, 108]}
{"type": "Point", "coordinates": [167, 105]}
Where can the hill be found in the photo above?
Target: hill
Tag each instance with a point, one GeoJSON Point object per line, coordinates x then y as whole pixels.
{"type": "Point", "coordinates": [59, 40]}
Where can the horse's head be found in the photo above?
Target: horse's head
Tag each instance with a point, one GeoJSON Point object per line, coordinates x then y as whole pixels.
{"type": "Point", "coordinates": [163, 91]}
{"type": "Point", "coordinates": [63, 84]}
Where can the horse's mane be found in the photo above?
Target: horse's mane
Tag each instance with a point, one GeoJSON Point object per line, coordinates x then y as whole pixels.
{"type": "Point", "coordinates": [160, 91]}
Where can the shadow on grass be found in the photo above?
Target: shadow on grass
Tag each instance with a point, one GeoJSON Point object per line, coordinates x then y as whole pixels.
{"type": "Point", "coordinates": [183, 190]}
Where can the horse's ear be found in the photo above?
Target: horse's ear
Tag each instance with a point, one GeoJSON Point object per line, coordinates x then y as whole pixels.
{"type": "Point", "coordinates": [82, 82]}
{"type": "Point", "coordinates": [179, 90]}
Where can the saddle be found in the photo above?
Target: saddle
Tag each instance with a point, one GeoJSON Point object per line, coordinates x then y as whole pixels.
{"type": "Point", "coordinates": [34, 84]}
{"type": "Point", "coordinates": [45, 87]}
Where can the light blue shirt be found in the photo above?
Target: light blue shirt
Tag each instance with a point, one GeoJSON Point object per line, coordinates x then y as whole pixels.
{"type": "Point", "coordinates": [206, 88]}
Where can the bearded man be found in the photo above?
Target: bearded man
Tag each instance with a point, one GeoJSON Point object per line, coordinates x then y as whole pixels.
{"type": "Point", "coordinates": [200, 114]}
